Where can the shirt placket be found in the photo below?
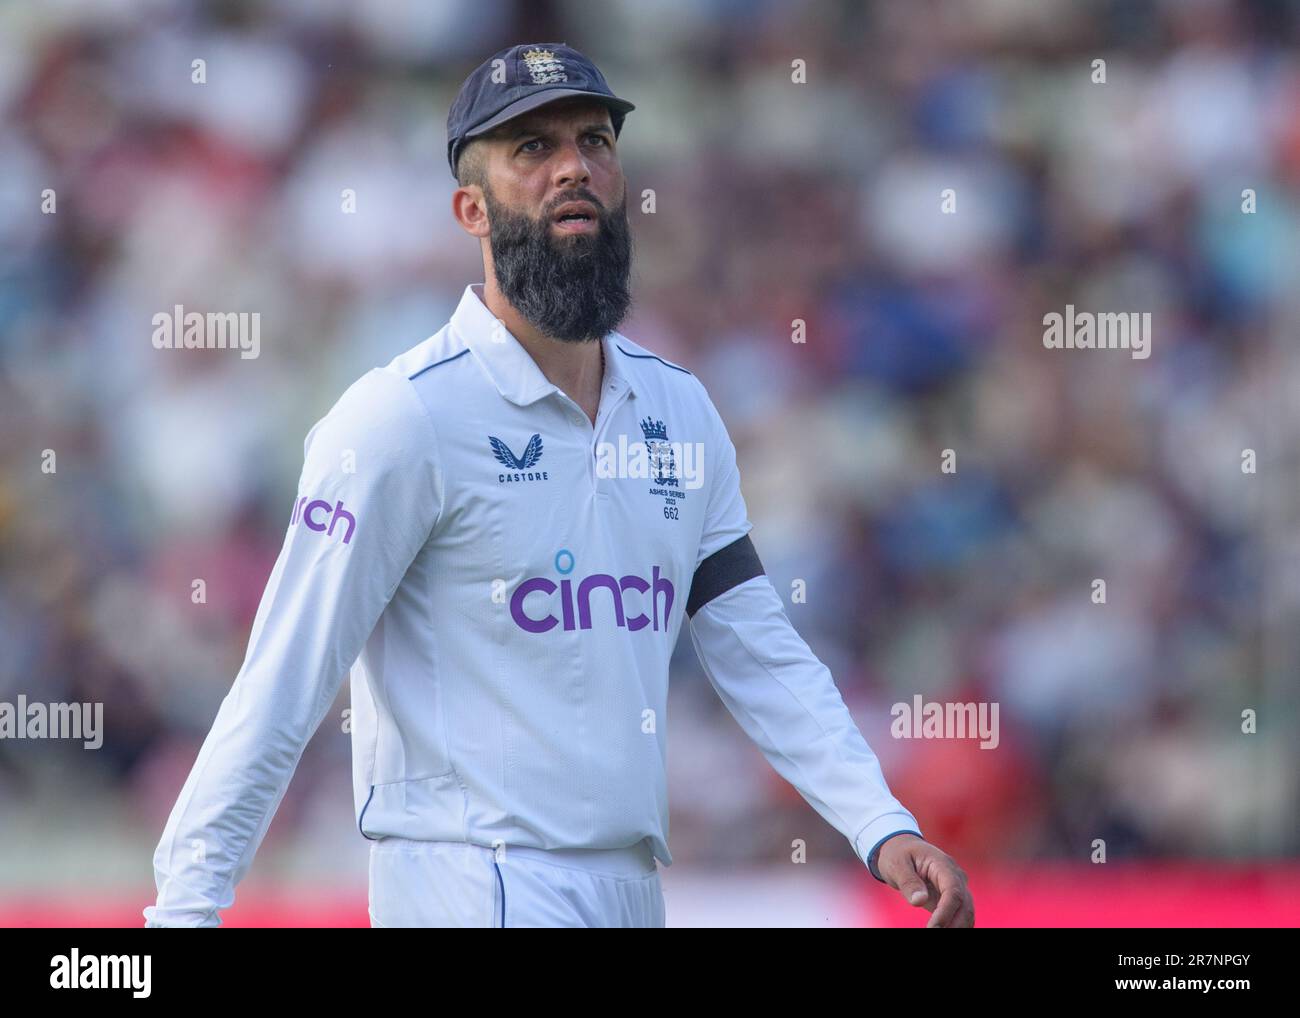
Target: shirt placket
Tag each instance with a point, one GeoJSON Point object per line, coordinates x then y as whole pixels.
{"type": "Point", "coordinates": [614, 394]}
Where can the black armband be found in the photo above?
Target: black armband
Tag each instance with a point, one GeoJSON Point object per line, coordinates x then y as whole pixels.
{"type": "Point", "coordinates": [726, 568]}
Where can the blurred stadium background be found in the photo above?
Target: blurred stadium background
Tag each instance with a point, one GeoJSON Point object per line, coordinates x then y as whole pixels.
{"type": "Point", "coordinates": [775, 201]}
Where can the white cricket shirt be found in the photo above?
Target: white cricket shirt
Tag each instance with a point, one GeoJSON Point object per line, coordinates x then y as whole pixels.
{"type": "Point", "coordinates": [506, 583]}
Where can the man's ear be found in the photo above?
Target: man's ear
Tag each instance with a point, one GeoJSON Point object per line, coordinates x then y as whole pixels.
{"type": "Point", "coordinates": [470, 209]}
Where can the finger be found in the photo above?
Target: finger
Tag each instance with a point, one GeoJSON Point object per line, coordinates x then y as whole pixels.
{"type": "Point", "coordinates": [912, 887]}
{"type": "Point", "coordinates": [951, 898]}
{"type": "Point", "coordinates": [950, 903]}
{"type": "Point", "coordinates": [966, 917]}
{"type": "Point", "coordinates": [922, 897]}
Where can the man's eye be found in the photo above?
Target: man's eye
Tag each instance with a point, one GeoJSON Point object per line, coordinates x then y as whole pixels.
{"type": "Point", "coordinates": [524, 147]}
{"type": "Point", "coordinates": [600, 138]}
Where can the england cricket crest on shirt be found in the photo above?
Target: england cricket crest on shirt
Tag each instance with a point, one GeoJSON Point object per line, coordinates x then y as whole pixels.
{"type": "Point", "coordinates": [672, 468]}
{"type": "Point", "coordinates": [543, 67]}
{"type": "Point", "coordinates": [663, 466]}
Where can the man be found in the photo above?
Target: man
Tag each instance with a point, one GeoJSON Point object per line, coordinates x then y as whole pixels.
{"type": "Point", "coordinates": [472, 531]}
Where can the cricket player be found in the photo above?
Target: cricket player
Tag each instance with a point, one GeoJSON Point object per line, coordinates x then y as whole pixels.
{"type": "Point", "coordinates": [500, 533]}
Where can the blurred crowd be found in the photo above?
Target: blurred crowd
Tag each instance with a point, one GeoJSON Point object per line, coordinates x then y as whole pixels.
{"type": "Point", "coordinates": [775, 201]}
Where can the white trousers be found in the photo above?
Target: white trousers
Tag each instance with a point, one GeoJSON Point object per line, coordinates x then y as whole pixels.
{"type": "Point", "coordinates": [445, 883]}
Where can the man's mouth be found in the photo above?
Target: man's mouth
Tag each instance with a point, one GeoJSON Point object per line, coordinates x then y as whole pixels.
{"type": "Point", "coordinates": [575, 217]}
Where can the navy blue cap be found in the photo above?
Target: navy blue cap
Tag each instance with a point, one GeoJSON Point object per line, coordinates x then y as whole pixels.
{"type": "Point", "coordinates": [527, 76]}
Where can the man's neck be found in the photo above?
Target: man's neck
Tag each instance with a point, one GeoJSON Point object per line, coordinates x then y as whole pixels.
{"type": "Point", "coordinates": [576, 369]}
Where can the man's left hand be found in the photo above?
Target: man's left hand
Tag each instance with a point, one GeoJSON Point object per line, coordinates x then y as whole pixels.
{"type": "Point", "coordinates": [927, 878]}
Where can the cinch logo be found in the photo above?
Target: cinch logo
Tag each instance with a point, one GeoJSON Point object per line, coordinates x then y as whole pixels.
{"type": "Point", "coordinates": [312, 515]}
{"type": "Point", "coordinates": [534, 623]}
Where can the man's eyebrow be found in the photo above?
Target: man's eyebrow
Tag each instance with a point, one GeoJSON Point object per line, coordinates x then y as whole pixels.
{"type": "Point", "coordinates": [535, 128]}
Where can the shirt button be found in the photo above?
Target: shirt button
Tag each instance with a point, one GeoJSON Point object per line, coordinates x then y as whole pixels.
{"type": "Point", "coordinates": [577, 418]}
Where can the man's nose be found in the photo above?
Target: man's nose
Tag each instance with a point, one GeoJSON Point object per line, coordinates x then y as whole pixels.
{"type": "Point", "coordinates": [571, 167]}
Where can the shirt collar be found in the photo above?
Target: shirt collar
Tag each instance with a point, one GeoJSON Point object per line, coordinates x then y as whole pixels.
{"type": "Point", "coordinates": [512, 368]}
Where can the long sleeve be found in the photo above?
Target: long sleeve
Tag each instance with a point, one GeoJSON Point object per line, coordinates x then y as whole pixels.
{"type": "Point", "coordinates": [782, 696]}
{"type": "Point", "coordinates": [367, 500]}
{"type": "Point", "coordinates": [787, 703]}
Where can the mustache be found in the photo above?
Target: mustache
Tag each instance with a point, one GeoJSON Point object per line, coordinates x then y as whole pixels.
{"type": "Point", "coordinates": [578, 195]}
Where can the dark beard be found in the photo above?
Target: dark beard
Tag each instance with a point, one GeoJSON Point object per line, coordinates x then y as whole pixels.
{"type": "Point", "coordinates": [567, 287]}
